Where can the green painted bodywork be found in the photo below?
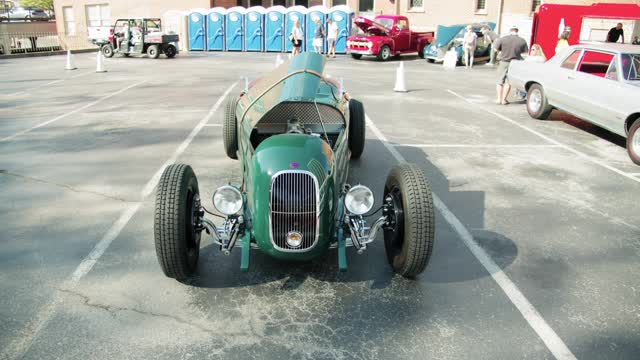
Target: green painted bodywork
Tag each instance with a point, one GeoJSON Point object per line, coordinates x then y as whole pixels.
{"type": "Point", "coordinates": [298, 80]}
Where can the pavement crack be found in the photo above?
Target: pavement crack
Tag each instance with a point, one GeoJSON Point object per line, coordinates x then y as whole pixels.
{"type": "Point", "coordinates": [65, 186]}
{"type": "Point", "coordinates": [114, 310]}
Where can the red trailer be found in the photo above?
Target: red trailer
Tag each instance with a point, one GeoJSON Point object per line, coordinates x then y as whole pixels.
{"type": "Point", "coordinates": [551, 19]}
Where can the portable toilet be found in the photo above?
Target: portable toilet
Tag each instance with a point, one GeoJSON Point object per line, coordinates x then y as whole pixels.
{"type": "Point", "coordinates": [295, 13]}
{"type": "Point", "coordinates": [254, 25]}
{"type": "Point", "coordinates": [197, 30]}
{"type": "Point", "coordinates": [215, 29]}
{"type": "Point", "coordinates": [274, 29]}
{"type": "Point", "coordinates": [343, 16]}
{"type": "Point", "coordinates": [234, 32]}
{"type": "Point", "coordinates": [318, 12]}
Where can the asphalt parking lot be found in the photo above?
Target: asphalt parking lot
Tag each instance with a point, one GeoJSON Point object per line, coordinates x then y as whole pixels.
{"type": "Point", "coordinates": [537, 234]}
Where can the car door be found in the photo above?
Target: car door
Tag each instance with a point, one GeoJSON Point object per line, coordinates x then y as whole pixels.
{"type": "Point", "coordinates": [403, 36]}
{"type": "Point", "coordinates": [557, 82]}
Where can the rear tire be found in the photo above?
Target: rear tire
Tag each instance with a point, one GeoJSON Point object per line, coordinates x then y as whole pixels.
{"type": "Point", "coordinates": [230, 128]}
{"type": "Point", "coordinates": [153, 51]}
{"type": "Point", "coordinates": [409, 239]}
{"type": "Point", "coordinates": [177, 207]}
{"type": "Point", "coordinates": [107, 50]}
{"type": "Point", "coordinates": [633, 142]}
{"type": "Point", "coordinates": [357, 128]}
{"type": "Point", "coordinates": [537, 104]}
{"type": "Point", "coordinates": [356, 56]}
{"type": "Point", "coordinates": [170, 51]}
{"type": "Point", "coordinates": [385, 53]}
{"type": "Point", "coordinates": [421, 52]}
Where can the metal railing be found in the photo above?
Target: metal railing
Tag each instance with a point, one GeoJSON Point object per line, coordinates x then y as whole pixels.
{"type": "Point", "coordinates": [32, 42]}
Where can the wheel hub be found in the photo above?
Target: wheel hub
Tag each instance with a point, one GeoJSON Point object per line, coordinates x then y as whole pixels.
{"type": "Point", "coordinates": [535, 100]}
{"type": "Point", "coordinates": [395, 217]}
{"type": "Point", "coordinates": [635, 143]}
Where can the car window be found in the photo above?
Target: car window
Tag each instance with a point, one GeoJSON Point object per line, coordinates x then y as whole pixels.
{"type": "Point", "coordinates": [630, 66]}
{"type": "Point", "coordinates": [572, 60]}
{"type": "Point", "coordinates": [388, 23]}
{"type": "Point", "coordinates": [612, 73]}
{"type": "Point", "coordinates": [595, 63]}
{"type": "Point", "coordinates": [153, 25]}
{"type": "Point", "coordinates": [402, 24]}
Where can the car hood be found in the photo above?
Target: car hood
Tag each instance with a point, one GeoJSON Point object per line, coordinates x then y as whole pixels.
{"type": "Point", "coordinates": [370, 26]}
{"type": "Point", "coordinates": [445, 34]}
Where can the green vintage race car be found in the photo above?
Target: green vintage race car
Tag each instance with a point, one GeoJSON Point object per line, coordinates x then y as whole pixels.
{"type": "Point", "coordinates": [294, 132]}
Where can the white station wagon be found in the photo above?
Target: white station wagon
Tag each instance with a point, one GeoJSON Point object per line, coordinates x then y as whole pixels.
{"type": "Point", "coordinates": [599, 83]}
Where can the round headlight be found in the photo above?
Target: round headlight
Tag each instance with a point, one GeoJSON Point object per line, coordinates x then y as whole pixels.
{"type": "Point", "coordinates": [227, 200]}
{"type": "Point", "coordinates": [359, 200]}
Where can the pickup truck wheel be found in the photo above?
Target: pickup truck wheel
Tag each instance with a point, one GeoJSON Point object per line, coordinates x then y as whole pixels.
{"type": "Point", "coordinates": [176, 224]}
{"type": "Point", "coordinates": [385, 53]}
{"type": "Point", "coordinates": [170, 51]}
{"type": "Point", "coordinates": [357, 127]}
{"type": "Point", "coordinates": [421, 52]}
{"type": "Point", "coordinates": [153, 51]}
{"type": "Point", "coordinates": [356, 56]}
{"type": "Point", "coordinates": [230, 128]}
{"type": "Point", "coordinates": [107, 50]}
{"type": "Point", "coordinates": [537, 105]}
{"type": "Point", "coordinates": [409, 236]}
{"type": "Point", "coordinates": [633, 142]}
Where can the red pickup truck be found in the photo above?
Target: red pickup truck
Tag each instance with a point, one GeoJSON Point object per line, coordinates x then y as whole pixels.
{"type": "Point", "coordinates": [386, 36]}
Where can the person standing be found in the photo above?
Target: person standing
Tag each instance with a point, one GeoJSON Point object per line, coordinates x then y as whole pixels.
{"type": "Point", "coordinates": [512, 47]}
{"type": "Point", "coordinates": [332, 37]}
{"type": "Point", "coordinates": [469, 42]}
{"type": "Point", "coordinates": [296, 37]}
{"type": "Point", "coordinates": [491, 37]}
{"type": "Point", "coordinates": [615, 33]}
{"type": "Point", "coordinates": [318, 37]}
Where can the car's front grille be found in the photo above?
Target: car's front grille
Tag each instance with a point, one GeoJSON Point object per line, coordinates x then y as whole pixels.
{"type": "Point", "coordinates": [294, 203]}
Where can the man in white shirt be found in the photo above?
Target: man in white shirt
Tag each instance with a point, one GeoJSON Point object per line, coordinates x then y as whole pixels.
{"type": "Point", "coordinates": [332, 36]}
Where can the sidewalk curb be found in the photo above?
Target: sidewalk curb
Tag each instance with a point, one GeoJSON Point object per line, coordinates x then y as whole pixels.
{"type": "Point", "coordinates": [47, 53]}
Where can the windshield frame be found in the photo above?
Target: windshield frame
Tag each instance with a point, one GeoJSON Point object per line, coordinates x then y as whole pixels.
{"type": "Point", "coordinates": [629, 70]}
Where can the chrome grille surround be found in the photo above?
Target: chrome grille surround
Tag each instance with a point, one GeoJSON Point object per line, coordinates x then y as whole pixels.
{"type": "Point", "coordinates": [294, 205]}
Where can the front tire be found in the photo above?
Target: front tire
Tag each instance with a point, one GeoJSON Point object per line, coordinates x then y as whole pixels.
{"type": "Point", "coordinates": [357, 128]}
{"type": "Point", "coordinates": [356, 56]}
{"type": "Point", "coordinates": [176, 221]}
{"type": "Point", "coordinates": [107, 50]}
{"type": "Point", "coordinates": [409, 238]}
{"type": "Point", "coordinates": [385, 53]}
{"type": "Point", "coordinates": [153, 51]}
{"type": "Point", "coordinates": [230, 128]}
{"type": "Point", "coordinates": [537, 104]}
{"type": "Point", "coordinates": [633, 142]}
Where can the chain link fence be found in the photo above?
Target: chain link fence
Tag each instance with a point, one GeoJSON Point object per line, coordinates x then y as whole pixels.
{"type": "Point", "coordinates": [38, 42]}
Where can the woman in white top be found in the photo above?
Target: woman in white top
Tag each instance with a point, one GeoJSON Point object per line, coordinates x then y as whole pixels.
{"type": "Point", "coordinates": [296, 37]}
{"type": "Point", "coordinates": [469, 44]}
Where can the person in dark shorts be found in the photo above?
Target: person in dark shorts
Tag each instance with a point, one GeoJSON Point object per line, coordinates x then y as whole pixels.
{"type": "Point", "coordinates": [615, 33]}
{"type": "Point", "coordinates": [296, 37]}
{"type": "Point", "coordinates": [511, 47]}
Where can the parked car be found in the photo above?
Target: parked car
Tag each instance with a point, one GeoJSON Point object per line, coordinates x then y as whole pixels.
{"type": "Point", "coordinates": [448, 37]}
{"type": "Point", "coordinates": [24, 13]}
{"type": "Point", "coordinates": [386, 36]}
{"type": "Point", "coordinates": [599, 83]}
{"type": "Point", "coordinates": [135, 36]}
{"type": "Point", "coordinates": [293, 133]}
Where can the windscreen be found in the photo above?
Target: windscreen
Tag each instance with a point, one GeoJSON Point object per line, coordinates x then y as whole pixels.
{"type": "Point", "coordinates": [631, 66]}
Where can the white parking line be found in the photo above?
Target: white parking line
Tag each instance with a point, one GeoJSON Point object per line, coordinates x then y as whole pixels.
{"type": "Point", "coordinates": [634, 174]}
{"type": "Point", "coordinates": [553, 342]}
{"type": "Point", "coordinates": [568, 148]}
{"type": "Point", "coordinates": [213, 125]}
{"type": "Point", "coordinates": [19, 347]}
{"type": "Point", "coordinates": [70, 112]}
{"type": "Point", "coordinates": [474, 146]}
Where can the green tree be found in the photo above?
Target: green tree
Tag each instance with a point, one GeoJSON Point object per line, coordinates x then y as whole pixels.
{"type": "Point", "coordinates": [43, 4]}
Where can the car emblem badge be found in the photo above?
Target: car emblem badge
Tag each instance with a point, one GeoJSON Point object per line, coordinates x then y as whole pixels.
{"type": "Point", "coordinates": [294, 165]}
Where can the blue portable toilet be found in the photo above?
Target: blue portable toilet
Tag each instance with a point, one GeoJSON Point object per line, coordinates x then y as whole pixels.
{"type": "Point", "coordinates": [295, 13]}
{"type": "Point", "coordinates": [234, 32]}
{"type": "Point", "coordinates": [197, 30]}
{"type": "Point", "coordinates": [318, 12]}
{"type": "Point", "coordinates": [274, 29]}
{"type": "Point", "coordinates": [254, 25]}
{"type": "Point", "coordinates": [215, 29]}
{"type": "Point", "coordinates": [343, 16]}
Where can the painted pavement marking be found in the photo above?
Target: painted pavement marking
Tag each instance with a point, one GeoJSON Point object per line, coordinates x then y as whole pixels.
{"type": "Point", "coordinates": [489, 146]}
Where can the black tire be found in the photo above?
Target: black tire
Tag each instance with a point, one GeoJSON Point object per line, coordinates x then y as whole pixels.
{"type": "Point", "coordinates": [170, 51]}
{"type": "Point", "coordinates": [230, 128]}
{"type": "Point", "coordinates": [385, 53]}
{"type": "Point", "coordinates": [409, 239]}
{"type": "Point", "coordinates": [177, 205]}
{"type": "Point", "coordinates": [633, 142]}
{"type": "Point", "coordinates": [356, 56]}
{"type": "Point", "coordinates": [537, 104]}
{"type": "Point", "coordinates": [421, 52]}
{"type": "Point", "coordinates": [357, 128]}
{"type": "Point", "coordinates": [107, 50]}
{"type": "Point", "coordinates": [153, 51]}
{"type": "Point", "coordinates": [431, 61]}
